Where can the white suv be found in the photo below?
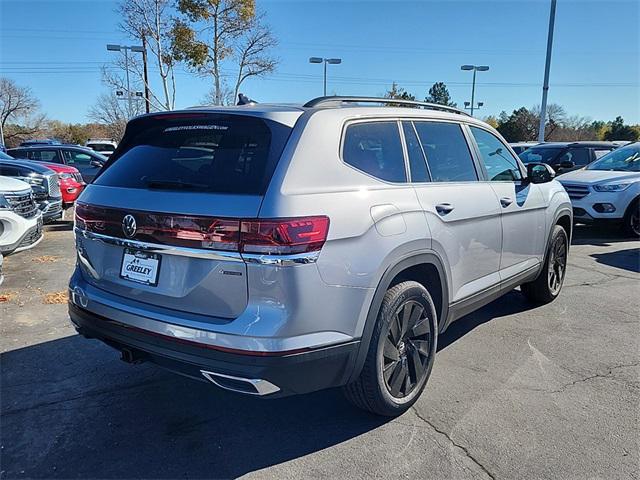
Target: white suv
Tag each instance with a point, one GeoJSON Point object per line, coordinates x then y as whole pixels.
{"type": "Point", "coordinates": [608, 190]}
{"type": "Point", "coordinates": [20, 218]}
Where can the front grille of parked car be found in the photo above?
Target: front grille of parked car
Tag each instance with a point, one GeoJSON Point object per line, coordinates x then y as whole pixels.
{"type": "Point", "coordinates": [53, 186]}
{"type": "Point", "coordinates": [576, 192]}
{"type": "Point", "coordinates": [22, 203]}
{"type": "Point", "coordinates": [32, 236]}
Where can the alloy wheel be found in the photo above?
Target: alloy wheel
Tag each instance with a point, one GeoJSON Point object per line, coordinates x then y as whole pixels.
{"type": "Point", "coordinates": [557, 264]}
{"type": "Point", "coordinates": [407, 349]}
{"type": "Point", "coordinates": [634, 222]}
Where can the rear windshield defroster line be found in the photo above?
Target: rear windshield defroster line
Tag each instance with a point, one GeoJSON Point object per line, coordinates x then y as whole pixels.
{"type": "Point", "coordinates": [218, 153]}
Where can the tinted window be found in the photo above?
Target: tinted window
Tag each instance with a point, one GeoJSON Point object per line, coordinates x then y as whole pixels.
{"type": "Point", "coordinates": [497, 159]}
{"type": "Point", "coordinates": [417, 162]}
{"type": "Point", "coordinates": [539, 155]}
{"type": "Point", "coordinates": [447, 152]}
{"type": "Point", "coordinates": [76, 158]}
{"type": "Point", "coordinates": [206, 152]}
{"type": "Point", "coordinates": [579, 156]}
{"type": "Point", "coordinates": [43, 155]}
{"type": "Point", "coordinates": [375, 148]}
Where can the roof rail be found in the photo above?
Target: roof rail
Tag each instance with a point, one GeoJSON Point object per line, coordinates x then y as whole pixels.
{"type": "Point", "coordinates": [336, 101]}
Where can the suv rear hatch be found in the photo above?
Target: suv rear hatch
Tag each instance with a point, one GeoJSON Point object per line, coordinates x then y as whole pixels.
{"type": "Point", "coordinates": [161, 223]}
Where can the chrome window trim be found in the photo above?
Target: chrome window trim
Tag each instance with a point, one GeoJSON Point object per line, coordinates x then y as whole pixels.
{"type": "Point", "coordinates": [253, 258]}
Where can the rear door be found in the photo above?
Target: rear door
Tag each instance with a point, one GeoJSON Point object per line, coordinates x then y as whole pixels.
{"type": "Point", "coordinates": [521, 203]}
{"type": "Point", "coordinates": [159, 224]}
{"type": "Point", "coordinates": [83, 161]}
{"type": "Point", "coordinates": [462, 212]}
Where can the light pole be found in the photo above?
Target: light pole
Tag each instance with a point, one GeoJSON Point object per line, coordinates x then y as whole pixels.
{"type": "Point", "coordinates": [475, 68]}
{"type": "Point", "coordinates": [134, 48]}
{"type": "Point", "coordinates": [332, 61]}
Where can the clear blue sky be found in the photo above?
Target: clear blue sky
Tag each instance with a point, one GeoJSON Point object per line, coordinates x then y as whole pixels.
{"type": "Point", "coordinates": [56, 48]}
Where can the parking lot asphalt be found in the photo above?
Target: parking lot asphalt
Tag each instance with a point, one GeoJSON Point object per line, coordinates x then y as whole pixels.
{"type": "Point", "coordinates": [516, 392]}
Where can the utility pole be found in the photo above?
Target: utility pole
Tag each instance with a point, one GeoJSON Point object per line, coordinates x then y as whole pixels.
{"type": "Point", "coordinates": [126, 67]}
{"type": "Point", "coordinates": [147, 102]}
{"type": "Point", "coordinates": [547, 67]}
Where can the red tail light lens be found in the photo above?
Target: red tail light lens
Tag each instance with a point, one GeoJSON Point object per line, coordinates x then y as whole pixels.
{"type": "Point", "coordinates": [267, 237]}
{"type": "Point", "coordinates": [283, 236]}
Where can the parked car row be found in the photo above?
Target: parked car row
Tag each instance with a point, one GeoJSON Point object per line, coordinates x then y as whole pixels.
{"type": "Point", "coordinates": [601, 178]}
{"type": "Point", "coordinates": [33, 193]}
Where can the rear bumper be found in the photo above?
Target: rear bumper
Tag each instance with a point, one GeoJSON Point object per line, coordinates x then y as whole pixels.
{"type": "Point", "coordinates": [290, 372]}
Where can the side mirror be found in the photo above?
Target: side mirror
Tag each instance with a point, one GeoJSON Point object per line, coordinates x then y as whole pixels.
{"type": "Point", "coordinates": [540, 173]}
{"type": "Point", "coordinates": [567, 164]}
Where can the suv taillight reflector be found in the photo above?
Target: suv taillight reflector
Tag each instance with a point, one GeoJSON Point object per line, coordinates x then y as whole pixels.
{"type": "Point", "coordinates": [256, 236]}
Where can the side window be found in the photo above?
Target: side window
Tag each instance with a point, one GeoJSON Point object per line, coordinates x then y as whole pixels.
{"type": "Point", "coordinates": [375, 148]}
{"type": "Point", "coordinates": [579, 157]}
{"type": "Point", "coordinates": [599, 153]}
{"type": "Point", "coordinates": [447, 152]}
{"type": "Point", "coordinates": [417, 162]}
{"type": "Point", "coordinates": [43, 155]}
{"type": "Point", "coordinates": [500, 164]}
{"type": "Point", "coordinates": [77, 158]}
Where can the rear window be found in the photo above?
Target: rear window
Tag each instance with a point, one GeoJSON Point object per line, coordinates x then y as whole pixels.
{"type": "Point", "coordinates": [101, 147]}
{"type": "Point", "coordinates": [203, 152]}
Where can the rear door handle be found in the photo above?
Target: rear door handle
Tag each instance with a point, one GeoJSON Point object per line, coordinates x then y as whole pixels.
{"type": "Point", "coordinates": [444, 208]}
{"type": "Point", "coordinates": [506, 201]}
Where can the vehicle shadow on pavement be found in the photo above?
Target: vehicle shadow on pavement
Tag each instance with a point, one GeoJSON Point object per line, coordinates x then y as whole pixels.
{"type": "Point", "coordinates": [71, 409]}
{"type": "Point", "coordinates": [624, 259]}
{"type": "Point", "coordinates": [599, 236]}
{"type": "Point", "coordinates": [510, 304]}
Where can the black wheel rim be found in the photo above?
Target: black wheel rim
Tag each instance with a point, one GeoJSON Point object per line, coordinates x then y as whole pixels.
{"type": "Point", "coordinates": [557, 264]}
{"type": "Point", "coordinates": [407, 349]}
{"type": "Point", "coordinates": [634, 222]}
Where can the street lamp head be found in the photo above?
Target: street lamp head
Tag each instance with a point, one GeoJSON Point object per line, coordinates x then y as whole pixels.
{"type": "Point", "coordinates": [113, 48]}
{"type": "Point", "coordinates": [480, 104]}
{"type": "Point", "coordinates": [316, 60]}
{"type": "Point", "coordinates": [466, 104]}
{"type": "Point", "coordinates": [136, 49]}
{"type": "Point", "coordinates": [333, 61]}
{"type": "Point", "coordinates": [482, 68]}
{"type": "Point", "coordinates": [467, 67]}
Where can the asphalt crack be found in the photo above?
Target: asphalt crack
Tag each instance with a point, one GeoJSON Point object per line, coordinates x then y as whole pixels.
{"type": "Point", "coordinates": [462, 448]}
{"type": "Point", "coordinates": [595, 375]}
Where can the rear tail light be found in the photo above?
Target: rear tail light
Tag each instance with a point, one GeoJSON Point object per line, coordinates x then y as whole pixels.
{"type": "Point", "coordinates": [256, 236]}
{"type": "Point", "coordinates": [284, 236]}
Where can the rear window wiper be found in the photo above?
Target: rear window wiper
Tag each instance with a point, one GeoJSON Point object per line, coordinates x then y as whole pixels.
{"type": "Point", "coordinates": [175, 185]}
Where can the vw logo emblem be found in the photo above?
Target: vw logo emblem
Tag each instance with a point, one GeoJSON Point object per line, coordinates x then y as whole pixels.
{"type": "Point", "coordinates": [129, 226]}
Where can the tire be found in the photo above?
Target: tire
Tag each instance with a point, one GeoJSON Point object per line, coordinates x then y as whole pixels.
{"type": "Point", "coordinates": [632, 219]}
{"type": "Point", "coordinates": [547, 286]}
{"type": "Point", "coordinates": [401, 352]}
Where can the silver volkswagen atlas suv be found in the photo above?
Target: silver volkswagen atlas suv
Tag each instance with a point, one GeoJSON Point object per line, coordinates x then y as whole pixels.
{"type": "Point", "coordinates": [275, 249]}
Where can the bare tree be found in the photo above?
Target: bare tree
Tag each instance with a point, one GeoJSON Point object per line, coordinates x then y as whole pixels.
{"type": "Point", "coordinates": [253, 53]}
{"type": "Point", "coordinates": [113, 114]}
{"type": "Point", "coordinates": [223, 39]}
{"type": "Point", "coordinates": [150, 21]}
{"type": "Point", "coordinates": [18, 111]}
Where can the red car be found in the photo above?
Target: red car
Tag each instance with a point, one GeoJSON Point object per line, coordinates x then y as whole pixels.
{"type": "Point", "coordinates": [71, 183]}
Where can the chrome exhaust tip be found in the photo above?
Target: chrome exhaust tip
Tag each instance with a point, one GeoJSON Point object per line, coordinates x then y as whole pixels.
{"type": "Point", "coordinates": [249, 386]}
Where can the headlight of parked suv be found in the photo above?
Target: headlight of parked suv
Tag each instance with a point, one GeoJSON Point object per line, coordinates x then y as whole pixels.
{"type": "Point", "coordinates": [611, 187]}
{"type": "Point", "coordinates": [4, 203]}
